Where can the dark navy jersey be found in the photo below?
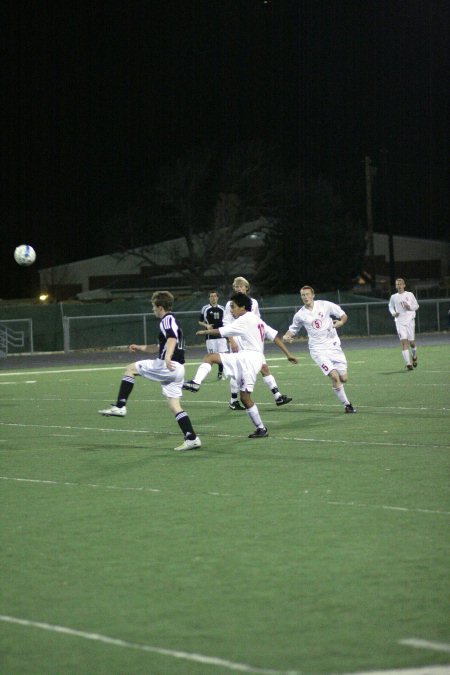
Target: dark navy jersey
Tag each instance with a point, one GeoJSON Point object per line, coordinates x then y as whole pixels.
{"type": "Point", "coordinates": [169, 328]}
{"type": "Point", "coordinates": [212, 315]}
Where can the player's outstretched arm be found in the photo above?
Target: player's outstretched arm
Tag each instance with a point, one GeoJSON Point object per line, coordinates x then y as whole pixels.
{"type": "Point", "coordinates": [279, 343]}
{"type": "Point", "coordinates": [150, 349]}
{"type": "Point", "coordinates": [214, 332]}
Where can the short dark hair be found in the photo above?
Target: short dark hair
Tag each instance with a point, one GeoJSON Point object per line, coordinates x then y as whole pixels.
{"type": "Point", "coordinates": [242, 300]}
{"type": "Point", "coordinates": [163, 299]}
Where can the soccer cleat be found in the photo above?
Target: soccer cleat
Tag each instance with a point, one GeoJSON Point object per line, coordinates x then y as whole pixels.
{"type": "Point", "coordinates": [259, 433]}
{"type": "Point", "coordinates": [190, 385]}
{"type": "Point", "coordinates": [283, 400]}
{"type": "Point", "coordinates": [349, 408]}
{"type": "Point", "coordinates": [114, 411]}
{"type": "Point", "coordinates": [189, 444]}
{"type": "Point", "coordinates": [409, 367]}
{"type": "Point", "coordinates": [235, 405]}
{"type": "Point", "coordinates": [414, 361]}
{"type": "Point", "coordinates": [219, 376]}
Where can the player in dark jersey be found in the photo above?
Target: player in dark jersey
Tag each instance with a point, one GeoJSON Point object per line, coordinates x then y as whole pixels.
{"type": "Point", "coordinates": [167, 369]}
{"type": "Point", "coordinates": [211, 316]}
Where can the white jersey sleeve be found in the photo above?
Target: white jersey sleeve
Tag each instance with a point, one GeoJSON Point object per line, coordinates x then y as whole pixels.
{"type": "Point", "coordinates": [391, 305]}
{"type": "Point", "coordinates": [296, 324]}
{"type": "Point", "coordinates": [250, 330]}
{"type": "Point", "coordinates": [255, 307]}
{"type": "Point", "coordinates": [227, 315]}
{"type": "Point", "coordinates": [271, 333]}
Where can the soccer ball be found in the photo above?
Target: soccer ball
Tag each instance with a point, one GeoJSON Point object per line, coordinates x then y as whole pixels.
{"type": "Point", "coordinates": [24, 255]}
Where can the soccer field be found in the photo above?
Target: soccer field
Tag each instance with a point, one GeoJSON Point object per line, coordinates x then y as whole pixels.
{"type": "Point", "coordinates": [322, 549]}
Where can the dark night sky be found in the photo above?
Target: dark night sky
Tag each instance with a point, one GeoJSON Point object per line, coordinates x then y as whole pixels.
{"type": "Point", "coordinates": [98, 96]}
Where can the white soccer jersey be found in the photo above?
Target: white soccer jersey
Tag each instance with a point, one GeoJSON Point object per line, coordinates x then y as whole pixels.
{"type": "Point", "coordinates": [318, 323]}
{"type": "Point", "coordinates": [251, 331]}
{"type": "Point", "coordinates": [397, 304]}
{"type": "Point", "coordinates": [228, 317]}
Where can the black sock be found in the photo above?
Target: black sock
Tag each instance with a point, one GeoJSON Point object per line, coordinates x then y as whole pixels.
{"type": "Point", "coordinates": [185, 425]}
{"type": "Point", "coordinates": [126, 387]}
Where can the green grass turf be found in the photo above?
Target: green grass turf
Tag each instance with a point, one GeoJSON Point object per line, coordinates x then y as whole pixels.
{"type": "Point", "coordinates": [316, 550]}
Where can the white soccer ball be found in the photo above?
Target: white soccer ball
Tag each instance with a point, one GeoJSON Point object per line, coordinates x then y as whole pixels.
{"type": "Point", "coordinates": [24, 255]}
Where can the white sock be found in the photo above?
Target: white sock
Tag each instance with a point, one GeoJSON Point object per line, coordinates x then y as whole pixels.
{"type": "Point", "coordinates": [234, 389]}
{"type": "Point", "coordinates": [340, 393]}
{"type": "Point", "coordinates": [405, 353]}
{"type": "Point", "coordinates": [272, 384]}
{"type": "Point", "coordinates": [253, 413]}
{"type": "Point", "coordinates": [203, 371]}
{"type": "Point", "coordinates": [414, 352]}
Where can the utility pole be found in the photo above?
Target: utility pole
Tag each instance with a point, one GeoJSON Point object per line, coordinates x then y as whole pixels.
{"type": "Point", "coordinates": [370, 172]}
{"type": "Point", "coordinates": [387, 215]}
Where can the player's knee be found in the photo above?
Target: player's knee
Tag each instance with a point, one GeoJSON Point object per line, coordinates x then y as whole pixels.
{"type": "Point", "coordinates": [335, 379]}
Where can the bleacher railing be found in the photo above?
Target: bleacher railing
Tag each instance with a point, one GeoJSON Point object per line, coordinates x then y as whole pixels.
{"type": "Point", "coordinates": [13, 340]}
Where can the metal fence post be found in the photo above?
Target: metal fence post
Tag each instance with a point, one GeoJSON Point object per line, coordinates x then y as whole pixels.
{"type": "Point", "coordinates": [66, 334]}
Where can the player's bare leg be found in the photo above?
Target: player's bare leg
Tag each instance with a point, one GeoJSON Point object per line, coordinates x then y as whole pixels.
{"type": "Point", "coordinates": [337, 382]}
{"type": "Point", "coordinates": [253, 413]}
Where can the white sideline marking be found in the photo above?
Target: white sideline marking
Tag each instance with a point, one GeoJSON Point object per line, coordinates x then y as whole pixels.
{"type": "Point", "coordinates": [92, 485]}
{"type": "Point", "coordinates": [197, 658]}
{"type": "Point", "coordinates": [215, 494]}
{"type": "Point", "coordinates": [390, 508]}
{"type": "Point", "coordinates": [426, 644]}
{"type": "Point", "coordinates": [58, 372]}
{"type": "Point", "coordinates": [331, 441]}
{"type": "Point", "coordinates": [425, 670]}
{"type": "Point", "coordinates": [25, 382]}
{"type": "Point", "coordinates": [93, 369]}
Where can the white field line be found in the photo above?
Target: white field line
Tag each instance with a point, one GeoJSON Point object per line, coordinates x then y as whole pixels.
{"type": "Point", "coordinates": [300, 439]}
{"type": "Point", "coordinates": [90, 485]}
{"type": "Point", "coordinates": [50, 371]}
{"type": "Point", "coordinates": [397, 410]}
{"type": "Point", "coordinates": [15, 382]}
{"type": "Point", "coordinates": [426, 644]}
{"type": "Point", "coordinates": [39, 481]}
{"type": "Point", "coordinates": [186, 656]}
{"type": "Point", "coordinates": [212, 660]}
{"type": "Point", "coordinates": [93, 369]}
{"type": "Point", "coordinates": [389, 508]}
{"type": "Point", "coordinates": [424, 670]}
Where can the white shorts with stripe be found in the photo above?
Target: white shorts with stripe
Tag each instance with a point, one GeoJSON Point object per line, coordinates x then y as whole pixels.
{"type": "Point", "coordinates": [243, 367]}
{"type": "Point", "coordinates": [171, 381]}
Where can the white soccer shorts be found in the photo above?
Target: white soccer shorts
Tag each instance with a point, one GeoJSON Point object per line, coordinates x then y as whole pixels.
{"type": "Point", "coordinates": [406, 331]}
{"type": "Point", "coordinates": [216, 345]}
{"type": "Point", "coordinates": [171, 381]}
{"type": "Point", "coordinates": [330, 359]}
{"type": "Point", "coordinates": [243, 367]}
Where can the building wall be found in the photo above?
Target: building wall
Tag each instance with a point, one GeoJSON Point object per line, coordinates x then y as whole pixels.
{"type": "Point", "coordinates": [423, 258]}
{"type": "Point", "coordinates": [415, 258]}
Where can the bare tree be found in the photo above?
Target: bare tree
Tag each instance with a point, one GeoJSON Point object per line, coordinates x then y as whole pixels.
{"type": "Point", "coordinates": [218, 204]}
